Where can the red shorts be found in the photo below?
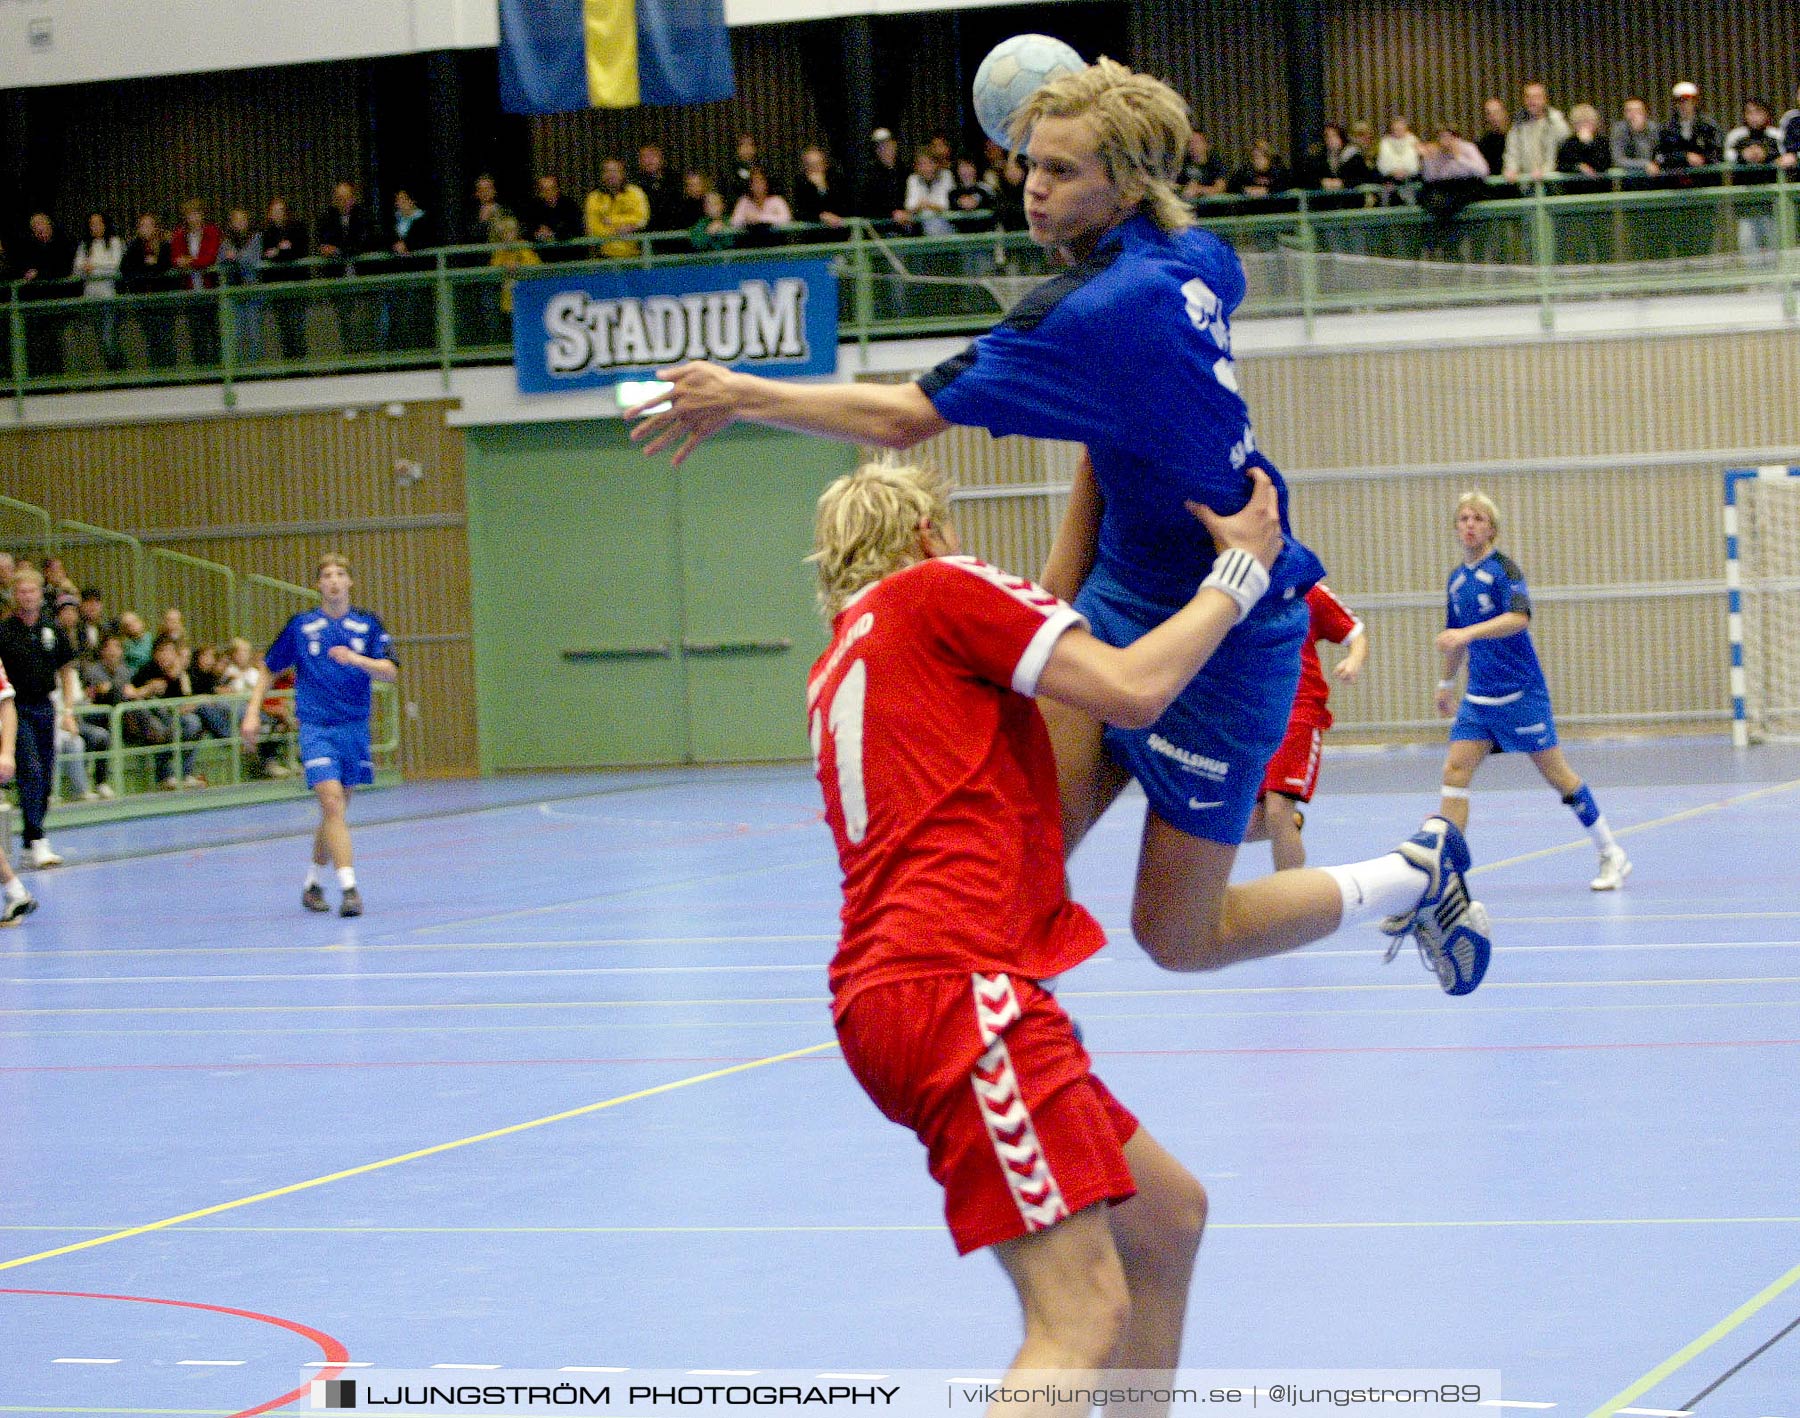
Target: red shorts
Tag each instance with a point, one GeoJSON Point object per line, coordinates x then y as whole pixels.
{"type": "Point", "coordinates": [989, 1074]}
{"type": "Point", "coordinates": [1294, 770]}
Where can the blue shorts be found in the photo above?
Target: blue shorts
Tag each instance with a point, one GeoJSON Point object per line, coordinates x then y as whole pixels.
{"type": "Point", "coordinates": [1201, 764]}
{"type": "Point", "coordinates": [336, 753]}
{"type": "Point", "coordinates": [1524, 725]}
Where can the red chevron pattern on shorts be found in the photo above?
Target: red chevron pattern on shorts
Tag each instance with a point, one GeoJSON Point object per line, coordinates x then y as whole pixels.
{"type": "Point", "coordinates": [1003, 1111]}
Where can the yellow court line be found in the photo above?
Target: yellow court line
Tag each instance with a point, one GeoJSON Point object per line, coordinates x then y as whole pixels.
{"type": "Point", "coordinates": [1584, 844]}
{"type": "Point", "coordinates": [415, 1155]}
{"type": "Point", "coordinates": [1699, 1346]}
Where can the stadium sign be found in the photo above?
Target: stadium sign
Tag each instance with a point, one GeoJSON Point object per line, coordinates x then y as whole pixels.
{"type": "Point", "coordinates": [595, 329]}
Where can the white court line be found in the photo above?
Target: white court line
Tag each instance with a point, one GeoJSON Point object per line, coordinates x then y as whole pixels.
{"type": "Point", "coordinates": [84, 1361]}
{"type": "Point", "coordinates": [352, 977]}
{"type": "Point", "coordinates": [211, 1363]}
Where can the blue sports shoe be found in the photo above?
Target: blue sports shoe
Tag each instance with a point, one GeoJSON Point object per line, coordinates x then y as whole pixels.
{"type": "Point", "coordinates": [1450, 928]}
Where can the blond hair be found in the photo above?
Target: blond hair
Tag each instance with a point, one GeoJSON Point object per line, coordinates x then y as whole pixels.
{"type": "Point", "coordinates": [332, 558]}
{"type": "Point", "coordinates": [867, 526]}
{"type": "Point", "coordinates": [1141, 128]}
{"type": "Point", "coordinates": [1483, 504]}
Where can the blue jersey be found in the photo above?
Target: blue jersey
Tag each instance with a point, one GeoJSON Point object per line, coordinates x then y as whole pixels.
{"type": "Point", "coordinates": [326, 692]}
{"type": "Point", "coordinates": [1129, 353]}
{"type": "Point", "coordinates": [1492, 587]}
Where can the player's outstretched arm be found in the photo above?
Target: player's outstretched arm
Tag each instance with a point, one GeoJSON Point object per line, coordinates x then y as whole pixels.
{"type": "Point", "coordinates": [707, 397]}
{"type": "Point", "coordinates": [1131, 686]}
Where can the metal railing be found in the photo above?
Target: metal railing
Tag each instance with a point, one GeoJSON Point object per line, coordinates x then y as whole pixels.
{"type": "Point", "coordinates": [154, 744]}
{"type": "Point", "coordinates": [1395, 246]}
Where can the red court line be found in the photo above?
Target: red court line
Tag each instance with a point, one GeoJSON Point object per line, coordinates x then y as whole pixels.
{"type": "Point", "coordinates": [332, 1349]}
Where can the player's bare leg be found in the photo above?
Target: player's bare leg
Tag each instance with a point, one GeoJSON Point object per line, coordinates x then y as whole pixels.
{"type": "Point", "coordinates": [331, 842]}
{"type": "Point", "coordinates": [1158, 1234]}
{"type": "Point", "coordinates": [1087, 779]}
{"type": "Point", "coordinates": [1188, 916]}
{"type": "Point", "coordinates": [1556, 771]}
{"type": "Point", "coordinates": [1615, 866]}
{"type": "Point", "coordinates": [1072, 1290]}
{"type": "Point", "coordinates": [1278, 816]}
{"type": "Point", "coordinates": [1460, 763]}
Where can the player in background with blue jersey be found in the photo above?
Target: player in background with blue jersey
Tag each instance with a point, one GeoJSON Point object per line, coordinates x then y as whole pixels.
{"type": "Point", "coordinates": [1506, 705]}
{"type": "Point", "coordinates": [1129, 353]}
{"type": "Point", "coordinates": [336, 652]}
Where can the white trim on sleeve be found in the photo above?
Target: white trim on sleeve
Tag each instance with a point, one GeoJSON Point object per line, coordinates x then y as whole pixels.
{"type": "Point", "coordinates": [1037, 653]}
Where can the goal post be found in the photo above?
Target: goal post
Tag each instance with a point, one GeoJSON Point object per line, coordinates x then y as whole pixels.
{"type": "Point", "coordinates": [1762, 588]}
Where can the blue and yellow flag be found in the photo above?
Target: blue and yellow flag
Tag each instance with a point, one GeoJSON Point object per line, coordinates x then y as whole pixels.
{"type": "Point", "coordinates": [560, 55]}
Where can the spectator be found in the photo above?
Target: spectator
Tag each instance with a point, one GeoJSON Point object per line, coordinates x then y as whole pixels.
{"type": "Point", "coordinates": [146, 269]}
{"type": "Point", "coordinates": [484, 211]}
{"type": "Point", "coordinates": [690, 206]}
{"type": "Point", "coordinates": [238, 674]}
{"type": "Point", "coordinates": [38, 658]}
{"type": "Point", "coordinates": [97, 264]}
{"type": "Point", "coordinates": [1584, 153]}
{"type": "Point", "coordinates": [343, 233]}
{"type": "Point", "coordinates": [241, 260]}
{"type": "Point", "coordinates": [551, 218]}
{"type": "Point", "coordinates": [511, 254]}
{"type": "Point", "coordinates": [927, 203]}
{"type": "Point", "coordinates": [653, 180]}
{"type": "Point", "coordinates": [91, 626]}
{"type": "Point", "coordinates": [284, 245]}
{"type": "Point", "coordinates": [173, 626]}
{"type": "Point", "coordinates": [73, 744]}
{"type": "Point", "coordinates": [743, 165]}
{"type": "Point", "coordinates": [194, 249]}
{"type": "Point", "coordinates": [714, 231]}
{"type": "Point", "coordinates": [1495, 124]}
{"type": "Point", "coordinates": [1789, 153]}
{"type": "Point", "coordinates": [820, 195]}
{"type": "Point", "coordinates": [938, 145]}
{"type": "Point", "coordinates": [137, 643]}
{"type": "Point", "coordinates": [45, 261]}
{"type": "Point", "coordinates": [1009, 196]}
{"type": "Point", "coordinates": [1338, 164]}
{"type": "Point", "coordinates": [8, 568]}
{"type": "Point", "coordinates": [1758, 133]}
{"type": "Point", "coordinates": [105, 682]}
{"type": "Point", "coordinates": [165, 677]}
{"type": "Point", "coordinates": [57, 583]}
{"type": "Point", "coordinates": [1634, 141]}
{"type": "Point", "coordinates": [1203, 173]}
{"type": "Point", "coordinates": [1690, 138]}
{"type": "Point", "coordinates": [971, 203]}
{"type": "Point", "coordinates": [1454, 174]}
{"type": "Point", "coordinates": [1398, 158]}
{"type": "Point", "coordinates": [1262, 174]}
{"type": "Point", "coordinates": [412, 308]}
{"type": "Point", "coordinates": [883, 198]}
{"type": "Point", "coordinates": [1534, 140]}
{"type": "Point", "coordinates": [1752, 147]}
{"type": "Point", "coordinates": [616, 209]}
{"type": "Point", "coordinates": [760, 213]}
{"type": "Point", "coordinates": [204, 677]}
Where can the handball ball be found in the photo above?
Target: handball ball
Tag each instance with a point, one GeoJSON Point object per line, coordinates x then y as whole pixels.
{"type": "Point", "coordinates": [1014, 70]}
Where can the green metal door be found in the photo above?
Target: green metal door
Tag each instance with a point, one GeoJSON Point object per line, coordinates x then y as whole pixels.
{"type": "Point", "coordinates": [627, 613]}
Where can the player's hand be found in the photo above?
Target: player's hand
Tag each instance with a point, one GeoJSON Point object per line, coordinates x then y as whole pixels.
{"type": "Point", "coordinates": [1445, 700]}
{"type": "Point", "coordinates": [1255, 527]}
{"type": "Point", "coordinates": [704, 400]}
{"type": "Point", "coordinates": [249, 728]}
{"type": "Point", "coordinates": [343, 655]}
{"type": "Point", "coordinates": [1449, 641]}
{"type": "Point", "coordinates": [7, 767]}
{"type": "Point", "coordinates": [1349, 671]}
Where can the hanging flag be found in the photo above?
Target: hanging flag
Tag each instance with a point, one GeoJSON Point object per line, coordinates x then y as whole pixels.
{"type": "Point", "coordinates": [557, 56]}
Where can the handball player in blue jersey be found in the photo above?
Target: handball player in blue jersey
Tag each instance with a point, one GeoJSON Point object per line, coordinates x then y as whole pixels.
{"type": "Point", "coordinates": [335, 652]}
{"type": "Point", "coordinates": [1506, 706]}
{"type": "Point", "coordinates": [1128, 353]}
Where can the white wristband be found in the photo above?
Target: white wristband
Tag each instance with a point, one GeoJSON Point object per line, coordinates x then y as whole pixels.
{"type": "Point", "coordinates": [1446, 684]}
{"type": "Point", "coordinates": [1240, 576]}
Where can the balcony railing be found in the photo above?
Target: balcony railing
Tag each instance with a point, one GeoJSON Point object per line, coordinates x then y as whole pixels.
{"type": "Point", "coordinates": [1307, 254]}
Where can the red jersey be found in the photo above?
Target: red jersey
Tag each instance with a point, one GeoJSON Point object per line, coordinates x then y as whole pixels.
{"type": "Point", "coordinates": [939, 784]}
{"type": "Point", "coordinates": [1331, 620]}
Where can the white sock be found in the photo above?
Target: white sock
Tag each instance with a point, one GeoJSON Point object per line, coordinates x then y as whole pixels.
{"type": "Point", "coordinates": [1602, 835]}
{"type": "Point", "coordinates": [1382, 886]}
{"type": "Point", "coordinates": [346, 877]}
{"type": "Point", "coordinates": [312, 874]}
{"type": "Point", "coordinates": [15, 889]}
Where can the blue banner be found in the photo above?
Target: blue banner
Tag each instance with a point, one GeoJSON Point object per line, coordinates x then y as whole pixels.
{"type": "Point", "coordinates": [590, 331]}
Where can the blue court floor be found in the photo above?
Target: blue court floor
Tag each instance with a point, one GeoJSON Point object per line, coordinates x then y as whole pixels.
{"type": "Point", "coordinates": [566, 1098]}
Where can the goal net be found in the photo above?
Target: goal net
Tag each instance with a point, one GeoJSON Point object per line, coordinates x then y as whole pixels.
{"type": "Point", "coordinates": [1762, 526]}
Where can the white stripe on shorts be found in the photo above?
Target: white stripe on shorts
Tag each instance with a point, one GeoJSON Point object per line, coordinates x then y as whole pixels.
{"type": "Point", "coordinates": [1003, 1111]}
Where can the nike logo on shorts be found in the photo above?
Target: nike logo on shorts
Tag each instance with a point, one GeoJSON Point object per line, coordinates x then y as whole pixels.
{"type": "Point", "coordinates": [1195, 805]}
